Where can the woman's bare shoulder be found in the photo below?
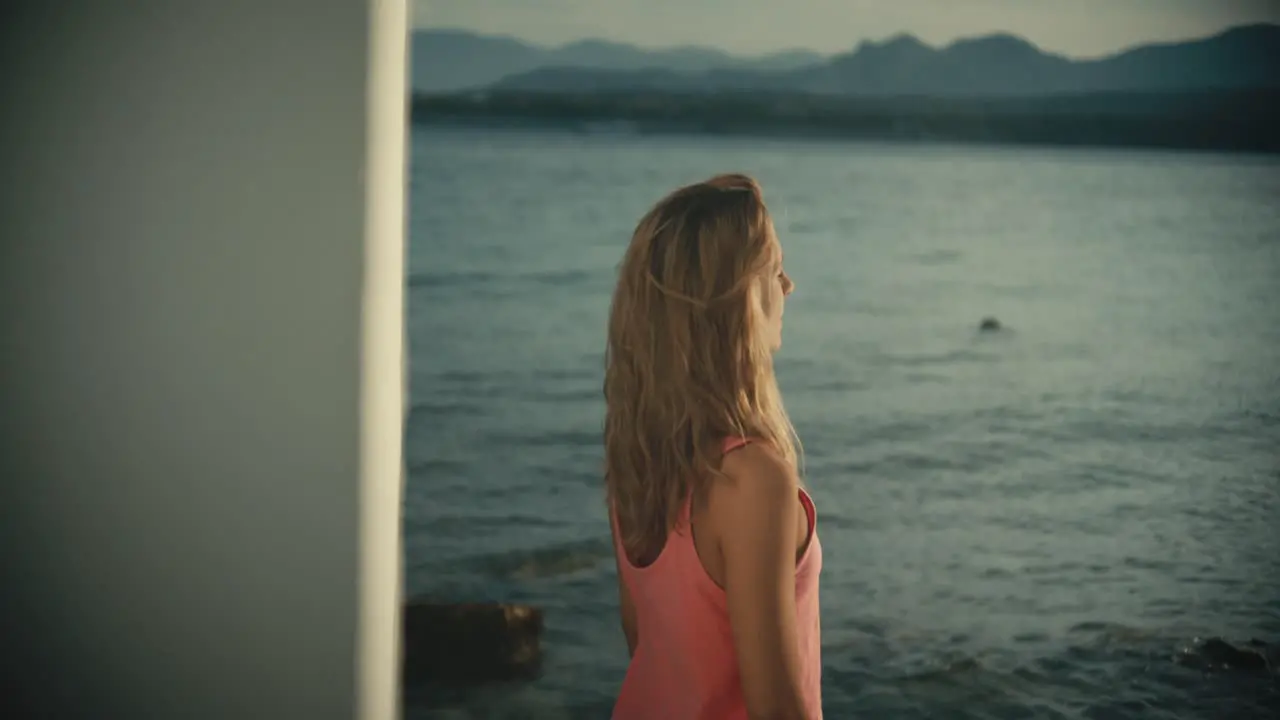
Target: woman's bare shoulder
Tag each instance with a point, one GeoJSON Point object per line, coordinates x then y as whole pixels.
{"type": "Point", "coordinates": [755, 474]}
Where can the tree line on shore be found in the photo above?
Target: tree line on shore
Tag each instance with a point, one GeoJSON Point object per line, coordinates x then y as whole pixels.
{"type": "Point", "coordinates": [1229, 120]}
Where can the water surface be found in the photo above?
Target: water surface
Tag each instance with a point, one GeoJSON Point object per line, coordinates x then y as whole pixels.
{"type": "Point", "coordinates": [1027, 524]}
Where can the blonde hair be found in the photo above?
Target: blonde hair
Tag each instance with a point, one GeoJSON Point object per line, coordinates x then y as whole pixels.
{"type": "Point", "coordinates": [687, 364]}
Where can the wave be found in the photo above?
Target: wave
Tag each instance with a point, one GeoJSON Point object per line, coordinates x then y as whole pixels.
{"type": "Point", "coordinates": [449, 279]}
{"type": "Point", "coordinates": [544, 562]}
{"type": "Point", "coordinates": [454, 279]}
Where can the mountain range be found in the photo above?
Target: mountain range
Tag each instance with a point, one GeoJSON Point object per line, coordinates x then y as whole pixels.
{"type": "Point", "coordinates": [990, 66]}
{"type": "Point", "coordinates": [450, 60]}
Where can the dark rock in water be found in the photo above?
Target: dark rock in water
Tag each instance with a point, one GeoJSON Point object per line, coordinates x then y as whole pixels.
{"type": "Point", "coordinates": [1218, 654]}
{"type": "Point", "coordinates": [989, 324]}
{"type": "Point", "coordinates": [1269, 652]}
{"type": "Point", "coordinates": [470, 643]}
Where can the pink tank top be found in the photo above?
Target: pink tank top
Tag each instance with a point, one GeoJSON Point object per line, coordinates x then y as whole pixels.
{"type": "Point", "coordinates": [684, 667]}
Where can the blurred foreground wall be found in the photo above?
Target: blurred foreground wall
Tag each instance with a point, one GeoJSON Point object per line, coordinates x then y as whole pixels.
{"type": "Point", "coordinates": [201, 244]}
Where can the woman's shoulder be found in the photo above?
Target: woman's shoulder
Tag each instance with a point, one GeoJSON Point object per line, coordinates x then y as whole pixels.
{"type": "Point", "coordinates": [756, 471]}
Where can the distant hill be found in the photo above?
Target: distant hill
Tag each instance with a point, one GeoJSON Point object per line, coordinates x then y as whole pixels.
{"type": "Point", "coordinates": [992, 66]}
{"type": "Point", "coordinates": [449, 60]}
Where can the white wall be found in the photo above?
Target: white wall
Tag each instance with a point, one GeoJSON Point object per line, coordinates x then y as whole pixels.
{"type": "Point", "coordinates": [201, 357]}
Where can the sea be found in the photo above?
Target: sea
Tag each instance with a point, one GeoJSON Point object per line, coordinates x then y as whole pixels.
{"type": "Point", "coordinates": [1040, 522]}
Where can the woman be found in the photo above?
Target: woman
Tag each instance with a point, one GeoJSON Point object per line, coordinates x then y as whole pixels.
{"type": "Point", "coordinates": [716, 544]}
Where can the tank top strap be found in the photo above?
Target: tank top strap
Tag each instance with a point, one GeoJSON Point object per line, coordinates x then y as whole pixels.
{"type": "Point", "coordinates": [684, 520]}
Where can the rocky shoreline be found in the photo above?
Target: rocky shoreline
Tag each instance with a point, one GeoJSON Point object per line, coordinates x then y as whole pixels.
{"type": "Point", "coordinates": [469, 644]}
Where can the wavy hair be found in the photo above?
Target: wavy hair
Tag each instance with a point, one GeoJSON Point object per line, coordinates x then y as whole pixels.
{"type": "Point", "coordinates": [687, 364]}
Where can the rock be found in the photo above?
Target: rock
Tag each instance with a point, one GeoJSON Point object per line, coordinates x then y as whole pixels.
{"type": "Point", "coordinates": [1218, 654]}
{"type": "Point", "coordinates": [470, 642]}
{"type": "Point", "coordinates": [989, 324]}
{"type": "Point", "coordinates": [1269, 652]}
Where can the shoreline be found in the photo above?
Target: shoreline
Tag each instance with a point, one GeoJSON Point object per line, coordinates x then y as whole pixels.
{"type": "Point", "coordinates": [1226, 121]}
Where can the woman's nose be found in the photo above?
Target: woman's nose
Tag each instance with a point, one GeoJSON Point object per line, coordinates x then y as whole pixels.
{"type": "Point", "coordinates": [787, 285]}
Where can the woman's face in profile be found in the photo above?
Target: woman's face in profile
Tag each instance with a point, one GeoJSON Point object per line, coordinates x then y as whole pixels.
{"type": "Point", "coordinates": [776, 287]}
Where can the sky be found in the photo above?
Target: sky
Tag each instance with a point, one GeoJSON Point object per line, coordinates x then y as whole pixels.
{"type": "Point", "coordinates": [1077, 28]}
